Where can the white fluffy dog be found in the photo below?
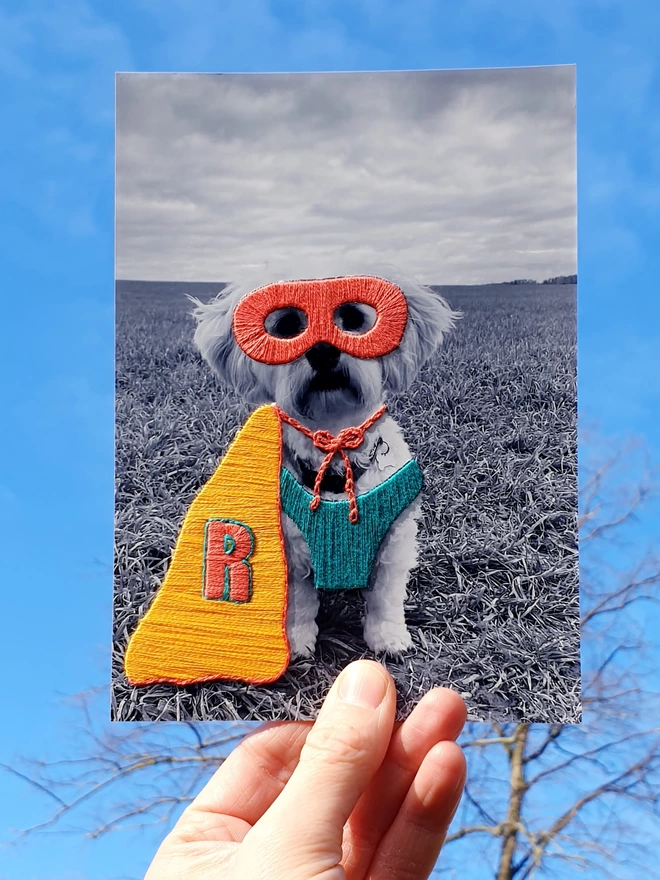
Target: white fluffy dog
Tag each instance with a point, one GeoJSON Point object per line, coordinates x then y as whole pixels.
{"type": "Point", "coordinates": [328, 389]}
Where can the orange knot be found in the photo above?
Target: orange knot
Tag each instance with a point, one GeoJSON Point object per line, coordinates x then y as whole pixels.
{"type": "Point", "coordinates": [348, 438]}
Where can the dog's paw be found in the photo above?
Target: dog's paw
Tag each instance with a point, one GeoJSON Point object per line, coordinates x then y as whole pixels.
{"type": "Point", "coordinates": [386, 637]}
{"type": "Point", "coordinates": [302, 641]}
{"type": "Point", "coordinates": [304, 652]}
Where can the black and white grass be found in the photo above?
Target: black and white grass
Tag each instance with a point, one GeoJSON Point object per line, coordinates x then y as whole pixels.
{"type": "Point", "coordinates": [492, 605]}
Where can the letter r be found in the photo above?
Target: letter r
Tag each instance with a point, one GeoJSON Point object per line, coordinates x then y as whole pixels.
{"type": "Point", "coordinates": [227, 573]}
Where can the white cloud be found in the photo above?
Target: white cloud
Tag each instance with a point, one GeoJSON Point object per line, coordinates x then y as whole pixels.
{"type": "Point", "coordinates": [459, 176]}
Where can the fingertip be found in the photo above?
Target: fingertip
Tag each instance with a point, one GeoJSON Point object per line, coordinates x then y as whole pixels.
{"type": "Point", "coordinates": [448, 707]}
{"type": "Point", "coordinates": [365, 683]}
{"type": "Point", "coordinates": [442, 772]}
{"type": "Point", "coordinates": [448, 754]}
{"type": "Point", "coordinates": [456, 704]}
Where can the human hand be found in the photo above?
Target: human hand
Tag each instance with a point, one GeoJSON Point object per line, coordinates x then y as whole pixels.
{"type": "Point", "coordinates": [351, 797]}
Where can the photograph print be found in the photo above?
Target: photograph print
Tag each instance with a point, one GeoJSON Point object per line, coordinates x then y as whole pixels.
{"type": "Point", "coordinates": [345, 391]}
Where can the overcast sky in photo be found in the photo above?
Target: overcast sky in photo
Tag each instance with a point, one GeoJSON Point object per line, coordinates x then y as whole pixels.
{"type": "Point", "coordinates": [461, 176]}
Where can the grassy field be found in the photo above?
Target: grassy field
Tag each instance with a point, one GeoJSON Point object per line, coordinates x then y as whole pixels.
{"type": "Point", "coordinates": [493, 604]}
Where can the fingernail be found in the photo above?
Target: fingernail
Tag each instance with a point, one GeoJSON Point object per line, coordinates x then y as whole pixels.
{"type": "Point", "coordinates": [363, 684]}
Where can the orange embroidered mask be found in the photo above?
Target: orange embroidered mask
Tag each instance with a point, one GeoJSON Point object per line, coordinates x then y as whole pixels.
{"type": "Point", "coordinates": [318, 303]}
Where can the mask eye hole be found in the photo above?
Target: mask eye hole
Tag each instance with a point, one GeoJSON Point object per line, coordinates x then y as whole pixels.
{"type": "Point", "coordinates": [355, 318]}
{"type": "Point", "coordinates": [286, 323]}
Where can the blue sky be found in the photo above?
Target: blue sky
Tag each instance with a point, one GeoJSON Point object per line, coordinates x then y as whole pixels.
{"type": "Point", "coordinates": [57, 63]}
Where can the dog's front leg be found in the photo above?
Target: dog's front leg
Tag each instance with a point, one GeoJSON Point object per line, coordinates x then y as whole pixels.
{"type": "Point", "coordinates": [385, 629]}
{"type": "Point", "coordinates": [303, 600]}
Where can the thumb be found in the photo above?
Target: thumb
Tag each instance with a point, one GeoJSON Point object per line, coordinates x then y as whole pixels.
{"type": "Point", "coordinates": [342, 752]}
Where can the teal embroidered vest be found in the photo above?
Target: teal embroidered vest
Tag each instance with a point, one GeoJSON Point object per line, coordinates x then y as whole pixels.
{"type": "Point", "coordinates": [343, 552]}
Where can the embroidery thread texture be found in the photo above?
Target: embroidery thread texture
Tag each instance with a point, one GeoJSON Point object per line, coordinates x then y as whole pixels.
{"type": "Point", "coordinates": [319, 299]}
{"type": "Point", "coordinates": [184, 638]}
{"type": "Point", "coordinates": [227, 574]}
{"type": "Point", "coordinates": [343, 553]}
{"type": "Point", "coordinates": [349, 438]}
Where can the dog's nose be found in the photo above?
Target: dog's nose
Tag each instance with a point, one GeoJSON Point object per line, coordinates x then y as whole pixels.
{"type": "Point", "coordinates": [323, 356]}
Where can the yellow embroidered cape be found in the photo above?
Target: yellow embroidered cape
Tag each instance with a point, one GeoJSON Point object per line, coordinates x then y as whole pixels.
{"type": "Point", "coordinates": [221, 610]}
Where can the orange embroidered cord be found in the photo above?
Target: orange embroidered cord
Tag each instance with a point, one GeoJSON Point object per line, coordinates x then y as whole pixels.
{"type": "Point", "coordinates": [348, 438]}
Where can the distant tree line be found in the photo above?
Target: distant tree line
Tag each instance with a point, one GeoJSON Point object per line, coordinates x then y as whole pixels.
{"type": "Point", "coordinates": [558, 279]}
{"type": "Point", "coordinates": [561, 279]}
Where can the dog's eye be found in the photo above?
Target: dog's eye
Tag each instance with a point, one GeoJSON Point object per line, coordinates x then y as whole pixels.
{"type": "Point", "coordinates": [355, 317]}
{"type": "Point", "coordinates": [286, 323]}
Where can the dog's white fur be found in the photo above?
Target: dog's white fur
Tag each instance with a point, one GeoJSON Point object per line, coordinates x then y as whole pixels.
{"type": "Point", "coordinates": [383, 452]}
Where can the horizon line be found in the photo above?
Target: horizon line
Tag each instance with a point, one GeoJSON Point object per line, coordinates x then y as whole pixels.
{"type": "Point", "coordinates": [427, 283]}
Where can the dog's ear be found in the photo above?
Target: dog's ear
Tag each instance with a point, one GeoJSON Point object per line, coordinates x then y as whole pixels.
{"type": "Point", "coordinates": [214, 338]}
{"type": "Point", "coordinates": [430, 318]}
